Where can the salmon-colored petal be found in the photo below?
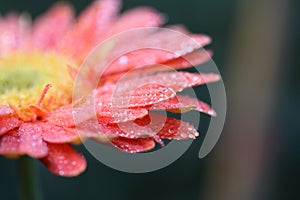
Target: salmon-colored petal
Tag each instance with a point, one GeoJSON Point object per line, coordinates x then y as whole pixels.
{"type": "Point", "coordinates": [156, 125]}
{"type": "Point", "coordinates": [56, 134]}
{"type": "Point", "coordinates": [92, 129]}
{"type": "Point", "coordinates": [138, 18]}
{"type": "Point", "coordinates": [110, 115]}
{"type": "Point", "coordinates": [98, 18]}
{"type": "Point", "coordinates": [175, 47]}
{"type": "Point", "coordinates": [189, 60]}
{"type": "Point", "coordinates": [9, 144]}
{"type": "Point", "coordinates": [92, 26]}
{"type": "Point", "coordinates": [127, 94]}
{"type": "Point", "coordinates": [14, 31]}
{"type": "Point", "coordinates": [31, 141]}
{"type": "Point", "coordinates": [155, 88]}
{"type": "Point", "coordinates": [4, 111]}
{"type": "Point", "coordinates": [63, 160]}
{"type": "Point", "coordinates": [62, 116]}
{"type": "Point", "coordinates": [8, 123]}
{"type": "Point", "coordinates": [182, 104]}
{"type": "Point", "coordinates": [134, 145]}
{"type": "Point", "coordinates": [177, 129]}
{"type": "Point", "coordinates": [48, 29]}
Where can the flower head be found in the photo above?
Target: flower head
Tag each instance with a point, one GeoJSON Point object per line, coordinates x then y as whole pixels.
{"type": "Point", "coordinates": [38, 64]}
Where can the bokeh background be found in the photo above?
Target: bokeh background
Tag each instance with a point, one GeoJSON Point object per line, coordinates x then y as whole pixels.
{"type": "Point", "coordinates": [256, 46]}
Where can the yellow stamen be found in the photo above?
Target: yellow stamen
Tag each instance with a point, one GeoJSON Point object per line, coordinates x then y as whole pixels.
{"type": "Point", "coordinates": [25, 80]}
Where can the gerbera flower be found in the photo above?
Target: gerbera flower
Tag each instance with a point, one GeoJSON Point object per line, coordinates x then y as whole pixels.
{"type": "Point", "coordinates": [38, 64]}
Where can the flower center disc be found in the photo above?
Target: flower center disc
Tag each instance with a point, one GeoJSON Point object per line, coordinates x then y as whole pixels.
{"type": "Point", "coordinates": [23, 77]}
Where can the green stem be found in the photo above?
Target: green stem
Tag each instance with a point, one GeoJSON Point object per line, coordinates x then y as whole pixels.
{"type": "Point", "coordinates": [28, 179]}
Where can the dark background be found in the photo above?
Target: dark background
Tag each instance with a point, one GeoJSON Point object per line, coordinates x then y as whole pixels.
{"type": "Point", "coordinates": [276, 174]}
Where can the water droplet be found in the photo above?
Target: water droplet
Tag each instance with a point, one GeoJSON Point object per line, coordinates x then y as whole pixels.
{"type": "Point", "coordinates": [123, 60]}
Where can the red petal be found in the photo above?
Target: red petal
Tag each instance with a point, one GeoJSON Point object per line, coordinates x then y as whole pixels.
{"type": "Point", "coordinates": [56, 134]}
{"type": "Point", "coordinates": [63, 160]}
{"type": "Point", "coordinates": [134, 145]}
{"type": "Point", "coordinates": [8, 123]}
{"type": "Point", "coordinates": [31, 141]}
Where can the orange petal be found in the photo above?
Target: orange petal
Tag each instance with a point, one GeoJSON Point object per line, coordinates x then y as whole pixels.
{"type": "Point", "coordinates": [8, 123]}
{"type": "Point", "coordinates": [134, 145]}
{"type": "Point", "coordinates": [56, 134]}
{"type": "Point", "coordinates": [63, 160]}
{"type": "Point", "coordinates": [31, 141]}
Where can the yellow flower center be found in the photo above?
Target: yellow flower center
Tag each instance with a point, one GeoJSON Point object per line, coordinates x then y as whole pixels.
{"type": "Point", "coordinates": [24, 78]}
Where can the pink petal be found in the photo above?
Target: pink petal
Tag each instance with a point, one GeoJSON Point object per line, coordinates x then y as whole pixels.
{"type": "Point", "coordinates": [9, 144]}
{"type": "Point", "coordinates": [155, 125]}
{"type": "Point", "coordinates": [48, 29]}
{"type": "Point", "coordinates": [92, 129]}
{"type": "Point", "coordinates": [14, 31]}
{"type": "Point", "coordinates": [192, 59]}
{"type": "Point", "coordinates": [189, 60]}
{"type": "Point", "coordinates": [142, 58]}
{"type": "Point", "coordinates": [134, 145]}
{"type": "Point", "coordinates": [183, 104]}
{"type": "Point", "coordinates": [56, 134]}
{"type": "Point", "coordinates": [110, 115]}
{"type": "Point", "coordinates": [5, 111]}
{"type": "Point", "coordinates": [31, 141]}
{"type": "Point", "coordinates": [62, 116]}
{"type": "Point", "coordinates": [63, 160]}
{"type": "Point", "coordinates": [137, 18]}
{"type": "Point", "coordinates": [177, 129]}
{"type": "Point", "coordinates": [8, 123]}
{"type": "Point", "coordinates": [98, 18]}
{"type": "Point", "coordinates": [133, 93]}
{"type": "Point", "coordinates": [91, 28]}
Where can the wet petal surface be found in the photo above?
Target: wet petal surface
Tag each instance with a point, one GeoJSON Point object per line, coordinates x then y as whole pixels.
{"type": "Point", "coordinates": [134, 145]}
{"type": "Point", "coordinates": [63, 160]}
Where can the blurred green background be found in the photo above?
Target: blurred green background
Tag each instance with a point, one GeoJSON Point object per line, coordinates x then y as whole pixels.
{"type": "Point", "coordinates": [256, 46]}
